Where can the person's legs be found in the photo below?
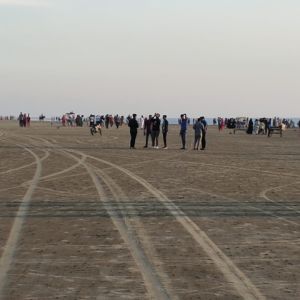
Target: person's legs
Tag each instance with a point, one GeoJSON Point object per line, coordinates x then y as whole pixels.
{"type": "Point", "coordinates": [153, 133]}
{"type": "Point", "coordinates": [156, 138]}
{"type": "Point", "coordinates": [134, 134]}
{"type": "Point", "coordinates": [196, 142]}
{"type": "Point", "coordinates": [203, 141]}
{"type": "Point", "coordinates": [147, 139]}
{"type": "Point", "coordinates": [182, 133]}
{"type": "Point", "coordinates": [165, 139]}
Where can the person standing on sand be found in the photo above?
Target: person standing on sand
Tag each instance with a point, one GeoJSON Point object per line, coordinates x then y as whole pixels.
{"type": "Point", "coordinates": [204, 130]}
{"type": "Point", "coordinates": [155, 130]}
{"type": "Point", "coordinates": [24, 120]}
{"type": "Point", "coordinates": [117, 121]}
{"type": "Point", "coordinates": [133, 125]}
{"type": "Point", "coordinates": [28, 120]}
{"type": "Point", "coordinates": [183, 122]}
{"type": "Point", "coordinates": [250, 127]}
{"type": "Point", "coordinates": [142, 122]}
{"type": "Point", "coordinates": [147, 129]}
{"type": "Point", "coordinates": [198, 127]}
{"type": "Point", "coordinates": [165, 129]}
{"type": "Point", "coordinates": [20, 119]}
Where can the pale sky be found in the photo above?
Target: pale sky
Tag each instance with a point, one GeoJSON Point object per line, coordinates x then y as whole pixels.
{"type": "Point", "coordinates": [212, 58]}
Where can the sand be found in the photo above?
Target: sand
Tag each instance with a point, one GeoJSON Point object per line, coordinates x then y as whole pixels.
{"type": "Point", "coordinates": [85, 217]}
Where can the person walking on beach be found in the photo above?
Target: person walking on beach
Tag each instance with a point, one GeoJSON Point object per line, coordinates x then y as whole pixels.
{"type": "Point", "coordinates": [155, 130]}
{"type": "Point", "coordinates": [165, 129]}
{"type": "Point", "coordinates": [204, 130]}
{"type": "Point", "coordinates": [28, 120]}
{"type": "Point", "coordinates": [117, 121]}
{"type": "Point", "coordinates": [20, 119]}
{"type": "Point", "coordinates": [147, 129]}
{"type": "Point", "coordinates": [133, 125]}
{"type": "Point", "coordinates": [198, 127]}
{"type": "Point", "coordinates": [250, 127]}
{"type": "Point", "coordinates": [24, 120]}
{"type": "Point", "coordinates": [183, 122]}
{"type": "Point", "coordinates": [106, 121]}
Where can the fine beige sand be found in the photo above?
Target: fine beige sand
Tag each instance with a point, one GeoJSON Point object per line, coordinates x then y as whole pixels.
{"type": "Point", "coordinates": [85, 217]}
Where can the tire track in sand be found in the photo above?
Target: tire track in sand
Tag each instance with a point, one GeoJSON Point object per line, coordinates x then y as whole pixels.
{"type": "Point", "coordinates": [152, 283]}
{"type": "Point", "coordinates": [231, 272]}
{"type": "Point", "coordinates": [46, 177]}
{"type": "Point", "coordinates": [14, 235]}
{"type": "Point", "coordinates": [62, 172]}
{"type": "Point", "coordinates": [137, 226]}
{"type": "Point", "coordinates": [264, 194]}
{"type": "Point", "coordinates": [55, 174]}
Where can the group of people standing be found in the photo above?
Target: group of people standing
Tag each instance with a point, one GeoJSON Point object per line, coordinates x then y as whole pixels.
{"type": "Point", "coordinates": [153, 125]}
{"type": "Point", "coordinates": [24, 120]}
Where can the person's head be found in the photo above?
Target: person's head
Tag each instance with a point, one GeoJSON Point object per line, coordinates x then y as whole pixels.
{"type": "Point", "coordinates": [201, 118]}
{"type": "Point", "coordinates": [164, 117]}
{"type": "Point", "coordinates": [158, 115]}
{"type": "Point", "coordinates": [183, 116]}
{"type": "Point", "coordinates": [134, 116]}
{"type": "Point", "coordinates": [150, 117]}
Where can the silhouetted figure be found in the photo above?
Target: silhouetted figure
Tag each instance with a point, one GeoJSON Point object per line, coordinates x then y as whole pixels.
{"type": "Point", "coordinates": [250, 127]}
{"type": "Point", "coordinates": [133, 125]}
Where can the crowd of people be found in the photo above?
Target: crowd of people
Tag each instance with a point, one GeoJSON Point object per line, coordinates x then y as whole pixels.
{"type": "Point", "coordinates": [258, 126]}
{"type": "Point", "coordinates": [153, 126]}
{"type": "Point", "coordinates": [7, 118]}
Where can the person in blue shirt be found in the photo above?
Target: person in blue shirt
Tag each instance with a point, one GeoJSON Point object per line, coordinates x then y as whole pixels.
{"type": "Point", "coordinates": [183, 122]}
{"type": "Point", "coordinates": [198, 127]}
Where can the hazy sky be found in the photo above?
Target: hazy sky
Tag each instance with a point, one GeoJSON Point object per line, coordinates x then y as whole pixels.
{"type": "Point", "coordinates": [216, 57]}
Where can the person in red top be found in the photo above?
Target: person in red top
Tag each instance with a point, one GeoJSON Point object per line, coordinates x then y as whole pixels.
{"type": "Point", "coordinates": [63, 120]}
{"type": "Point", "coordinates": [28, 120]}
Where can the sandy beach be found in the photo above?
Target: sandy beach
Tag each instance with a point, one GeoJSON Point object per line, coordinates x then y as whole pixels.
{"type": "Point", "coordinates": [85, 217]}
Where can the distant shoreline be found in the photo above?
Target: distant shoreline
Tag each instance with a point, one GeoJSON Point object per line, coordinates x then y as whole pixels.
{"type": "Point", "coordinates": [172, 121]}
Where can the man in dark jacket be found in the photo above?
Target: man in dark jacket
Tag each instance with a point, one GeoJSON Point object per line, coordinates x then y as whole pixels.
{"type": "Point", "coordinates": [203, 139]}
{"type": "Point", "coordinates": [155, 130]}
{"type": "Point", "coordinates": [133, 125]}
{"type": "Point", "coordinates": [147, 129]}
{"type": "Point", "coordinates": [165, 128]}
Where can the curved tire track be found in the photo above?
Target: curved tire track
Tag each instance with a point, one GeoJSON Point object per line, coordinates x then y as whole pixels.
{"type": "Point", "coordinates": [14, 235]}
{"type": "Point", "coordinates": [264, 194]}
